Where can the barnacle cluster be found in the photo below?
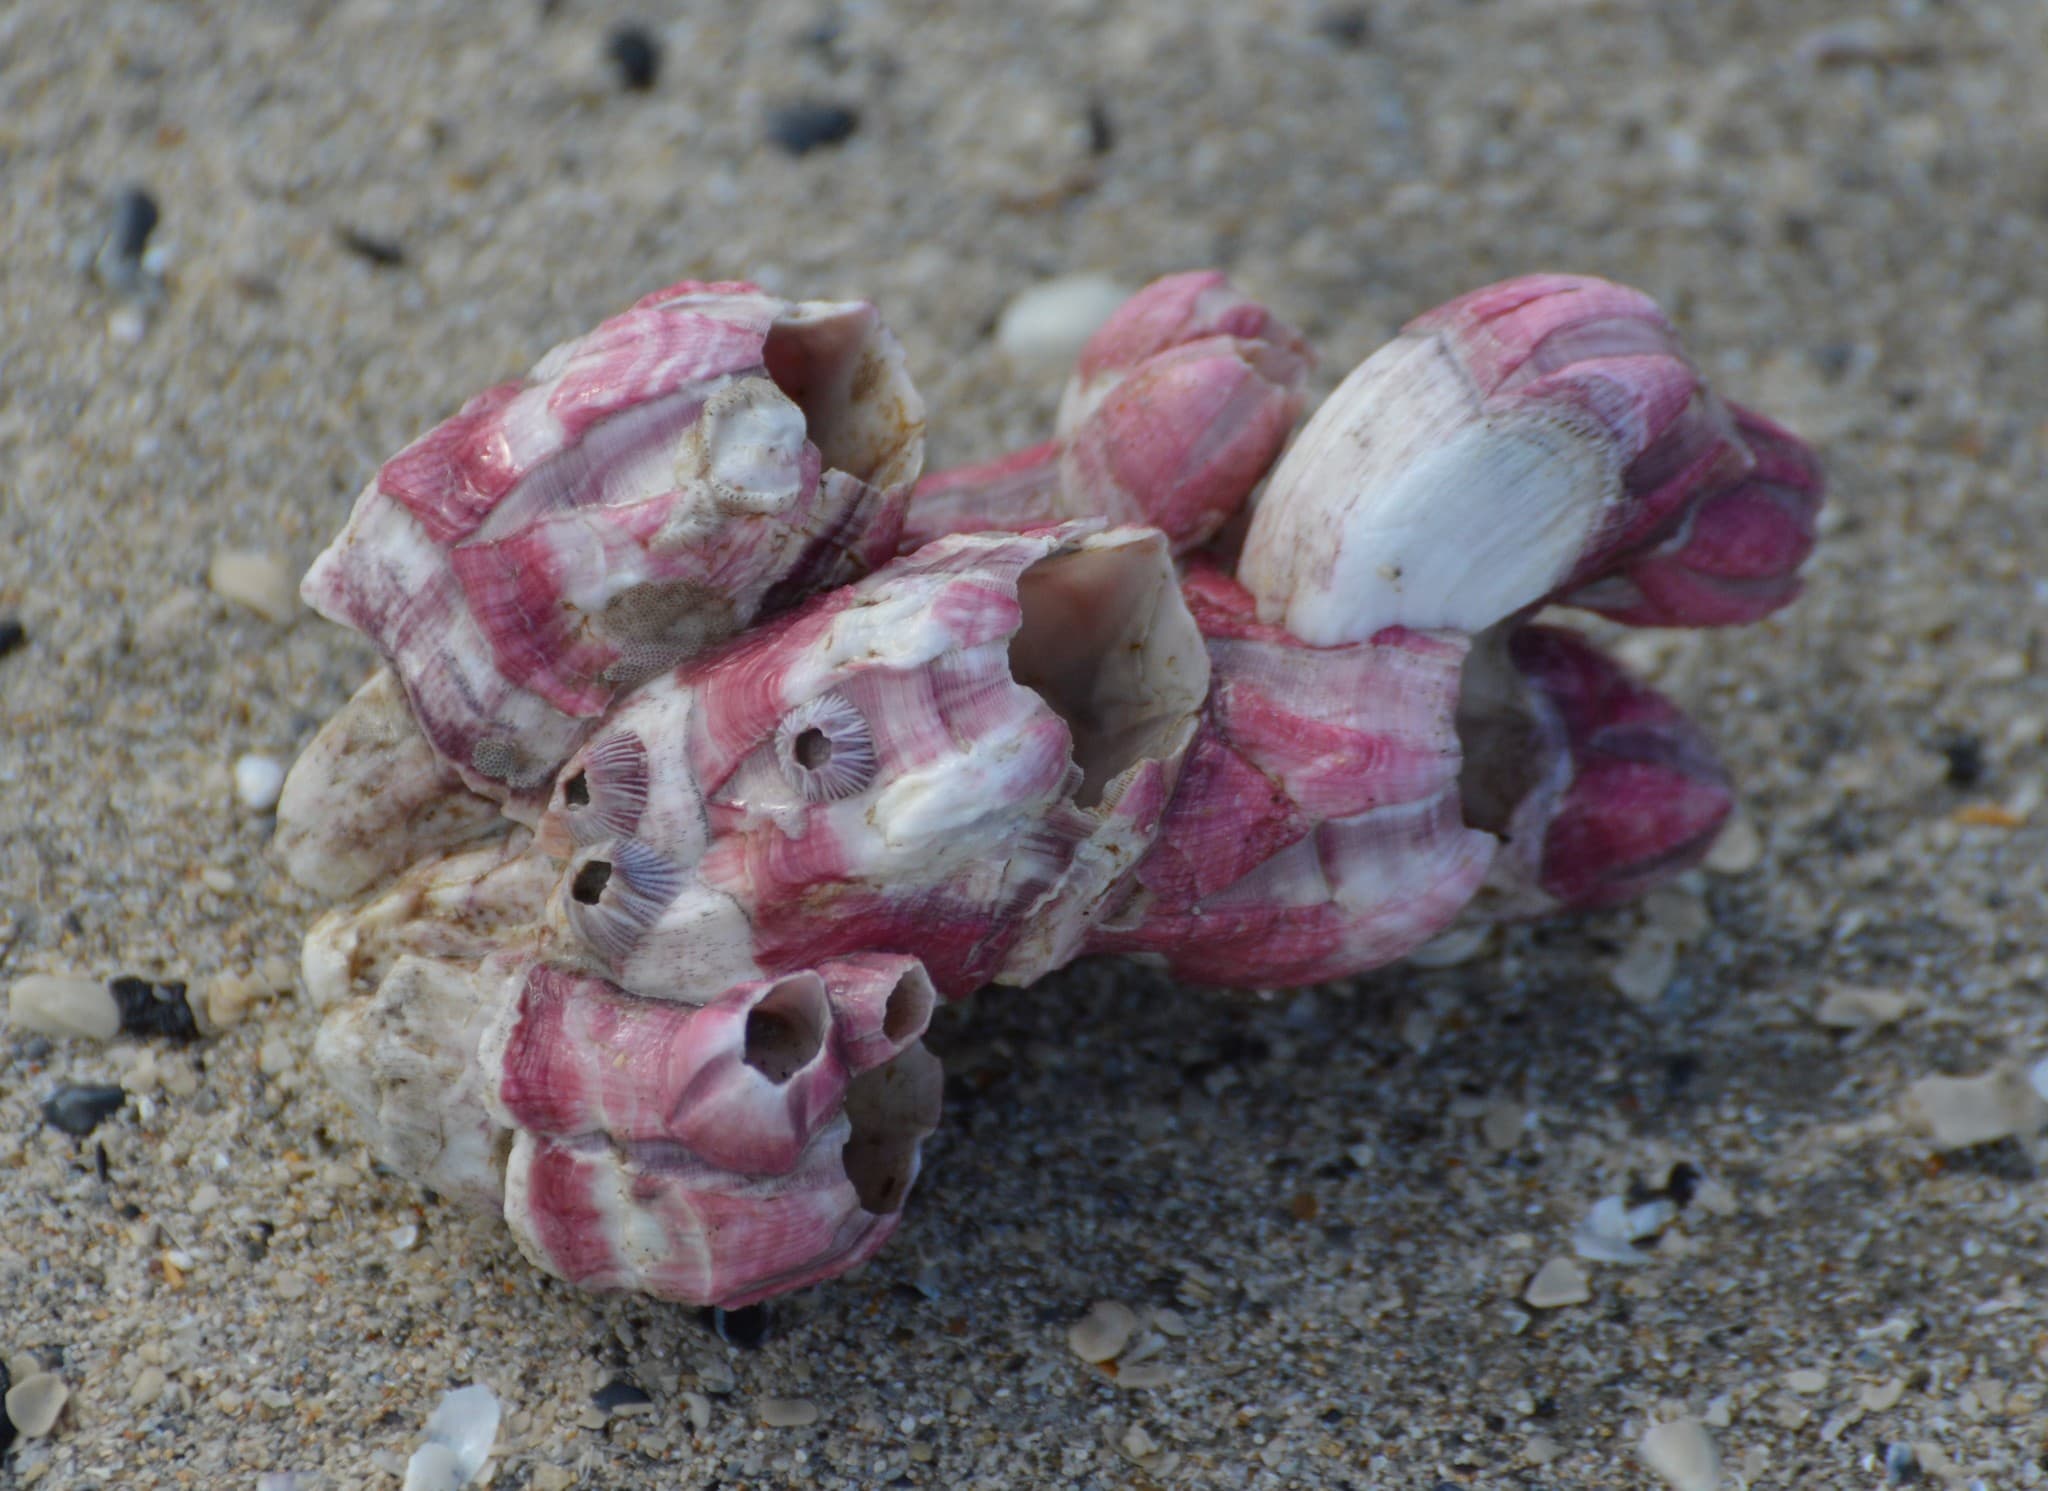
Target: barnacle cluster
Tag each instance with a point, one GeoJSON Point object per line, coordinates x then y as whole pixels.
{"type": "Point", "coordinates": [712, 748]}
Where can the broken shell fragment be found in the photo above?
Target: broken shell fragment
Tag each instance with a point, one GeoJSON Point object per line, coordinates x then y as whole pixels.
{"type": "Point", "coordinates": [1176, 408]}
{"type": "Point", "coordinates": [646, 490]}
{"type": "Point", "coordinates": [1523, 443]}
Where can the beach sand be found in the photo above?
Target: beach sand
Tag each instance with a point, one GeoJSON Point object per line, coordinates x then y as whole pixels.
{"type": "Point", "coordinates": [1337, 1197]}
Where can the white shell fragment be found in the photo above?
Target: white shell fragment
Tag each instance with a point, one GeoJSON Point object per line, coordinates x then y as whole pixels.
{"type": "Point", "coordinates": [1558, 1283]}
{"type": "Point", "coordinates": [460, 1433]}
{"type": "Point", "coordinates": [1683, 1453]}
{"type": "Point", "coordinates": [258, 780]}
{"type": "Point", "coordinates": [1962, 1112]}
{"type": "Point", "coordinates": [1613, 1228]}
{"type": "Point", "coordinates": [1103, 1332]}
{"type": "Point", "coordinates": [64, 1006]}
{"type": "Point", "coordinates": [257, 580]}
{"type": "Point", "coordinates": [1048, 324]}
{"type": "Point", "coordinates": [34, 1403]}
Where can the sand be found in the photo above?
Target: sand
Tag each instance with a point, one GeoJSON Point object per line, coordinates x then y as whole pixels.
{"type": "Point", "coordinates": [1322, 1209]}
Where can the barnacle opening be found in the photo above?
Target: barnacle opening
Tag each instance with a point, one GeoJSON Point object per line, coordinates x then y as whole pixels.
{"type": "Point", "coordinates": [909, 1007]}
{"type": "Point", "coordinates": [787, 1029]}
{"type": "Point", "coordinates": [1107, 642]}
{"type": "Point", "coordinates": [826, 749]}
{"type": "Point", "coordinates": [604, 791]}
{"type": "Point", "coordinates": [576, 791]}
{"type": "Point", "coordinates": [1509, 749]}
{"type": "Point", "coordinates": [589, 883]}
{"type": "Point", "coordinates": [889, 1112]}
{"type": "Point", "coordinates": [843, 369]}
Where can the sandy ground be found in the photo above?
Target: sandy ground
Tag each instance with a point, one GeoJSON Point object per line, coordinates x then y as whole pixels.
{"type": "Point", "coordinates": [1341, 1193]}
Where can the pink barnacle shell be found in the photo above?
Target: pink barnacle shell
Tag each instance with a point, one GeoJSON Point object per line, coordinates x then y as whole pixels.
{"type": "Point", "coordinates": [646, 490]}
{"type": "Point", "coordinates": [1517, 445]}
{"type": "Point", "coordinates": [719, 1153]}
{"type": "Point", "coordinates": [1176, 407]}
{"type": "Point", "coordinates": [1601, 788]}
{"type": "Point", "coordinates": [960, 759]}
{"type": "Point", "coordinates": [1317, 828]}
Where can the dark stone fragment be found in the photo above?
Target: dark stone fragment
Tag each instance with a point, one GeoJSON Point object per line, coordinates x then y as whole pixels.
{"type": "Point", "coordinates": [79, 1109]}
{"type": "Point", "coordinates": [381, 252]}
{"type": "Point", "coordinates": [12, 635]}
{"type": "Point", "coordinates": [745, 1328]}
{"type": "Point", "coordinates": [619, 1393]}
{"type": "Point", "coordinates": [635, 56]}
{"type": "Point", "coordinates": [1682, 1184]}
{"type": "Point", "coordinates": [1901, 1465]}
{"type": "Point", "coordinates": [1348, 28]}
{"type": "Point", "coordinates": [1965, 756]}
{"type": "Point", "coordinates": [35, 1048]}
{"type": "Point", "coordinates": [149, 1008]}
{"type": "Point", "coordinates": [6, 1424]}
{"type": "Point", "coordinates": [101, 1166]}
{"type": "Point", "coordinates": [1101, 128]}
{"type": "Point", "coordinates": [799, 128]}
{"type": "Point", "coordinates": [134, 219]}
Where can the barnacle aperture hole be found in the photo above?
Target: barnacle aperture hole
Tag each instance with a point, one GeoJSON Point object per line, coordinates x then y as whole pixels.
{"type": "Point", "coordinates": [787, 1029]}
{"type": "Point", "coordinates": [1107, 642]}
{"type": "Point", "coordinates": [588, 886]}
{"type": "Point", "coordinates": [576, 791]}
{"type": "Point", "coordinates": [1508, 747]}
{"type": "Point", "coordinates": [845, 372]}
{"type": "Point", "coordinates": [909, 1007]}
{"type": "Point", "coordinates": [889, 1111]}
{"type": "Point", "coordinates": [812, 748]}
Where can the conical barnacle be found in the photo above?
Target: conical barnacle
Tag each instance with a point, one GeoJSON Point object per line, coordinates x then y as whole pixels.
{"type": "Point", "coordinates": [958, 758]}
{"type": "Point", "coordinates": [646, 490]}
{"type": "Point", "coordinates": [1599, 787]}
{"type": "Point", "coordinates": [1525, 443]}
{"type": "Point", "coordinates": [1175, 409]}
{"type": "Point", "coordinates": [1317, 828]}
{"type": "Point", "coordinates": [713, 1153]}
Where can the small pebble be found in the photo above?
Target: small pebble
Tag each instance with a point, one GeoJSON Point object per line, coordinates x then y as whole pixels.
{"type": "Point", "coordinates": [1879, 1397]}
{"type": "Point", "coordinates": [621, 1396]}
{"type": "Point", "coordinates": [1146, 1374]}
{"type": "Point", "coordinates": [149, 1008]}
{"type": "Point", "coordinates": [78, 1109]}
{"type": "Point", "coordinates": [1558, 1283]}
{"type": "Point", "coordinates": [551, 1478]}
{"type": "Point", "coordinates": [1103, 1332]}
{"type": "Point", "coordinates": [258, 781]}
{"type": "Point", "coordinates": [63, 1005]}
{"type": "Point", "coordinates": [1807, 1381]}
{"type": "Point", "coordinates": [1683, 1453]}
{"type": "Point", "coordinates": [801, 127]}
{"type": "Point", "coordinates": [1047, 324]}
{"type": "Point", "coordinates": [788, 1413]}
{"type": "Point", "coordinates": [34, 1402]}
{"type": "Point", "coordinates": [149, 1385]}
{"type": "Point", "coordinates": [1901, 1465]}
{"type": "Point", "coordinates": [1739, 849]}
{"type": "Point", "coordinates": [13, 635]}
{"type": "Point", "coordinates": [118, 263]}
{"type": "Point", "coordinates": [635, 55]}
{"type": "Point", "coordinates": [1847, 1008]}
{"type": "Point", "coordinates": [1500, 1126]}
{"type": "Point", "coordinates": [1646, 965]}
{"type": "Point", "coordinates": [385, 253]}
{"type": "Point", "coordinates": [1962, 1112]}
{"type": "Point", "coordinates": [698, 1408]}
{"type": "Point", "coordinates": [256, 580]}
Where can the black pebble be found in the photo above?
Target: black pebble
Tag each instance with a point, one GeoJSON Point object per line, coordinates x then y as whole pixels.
{"type": "Point", "coordinates": [6, 1423]}
{"type": "Point", "coordinates": [1965, 756]}
{"type": "Point", "coordinates": [800, 128]}
{"type": "Point", "coordinates": [381, 252]}
{"type": "Point", "coordinates": [746, 1328]}
{"type": "Point", "coordinates": [619, 1393]}
{"type": "Point", "coordinates": [153, 1009]}
{"type": "Point", "coordinates": [134, 219]}
{"type": "Point", "coordinates": [1901, 1465]}
{"type": "Point", "coordinates": [12, 635]}
{"type": "Point", "coordinates": [1350, 29]}
{"type": "Point", "coordinates": [78, 1110]}
{"type": "Point", "coordinates": [1101, 128]}
{"type": "Point", "coordinates": [635, 55]}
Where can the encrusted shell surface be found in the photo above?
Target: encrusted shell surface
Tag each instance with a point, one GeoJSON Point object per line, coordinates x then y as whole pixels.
{"type": "Point", "coordinates": [646, 490]}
